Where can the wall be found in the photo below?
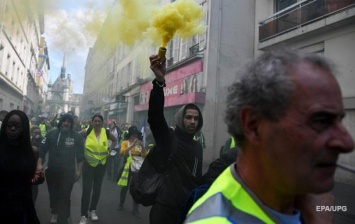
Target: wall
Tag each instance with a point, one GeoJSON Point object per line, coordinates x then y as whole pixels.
{"type": "Point", "coordinates": [230, 46]}
{"type": "Point", "coordinates": [341, 50]}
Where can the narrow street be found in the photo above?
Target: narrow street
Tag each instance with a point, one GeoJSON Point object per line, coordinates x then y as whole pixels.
{"type": "Point", "coordinates": [106, 210]}
{"type": "Point", "coordinates": [108, 204]}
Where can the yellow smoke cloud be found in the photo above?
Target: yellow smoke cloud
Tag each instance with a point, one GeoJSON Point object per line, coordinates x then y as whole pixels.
{"type": "Point", "coordinates": [131, 21]}
{"type": "Point", "coordinates": [127, 22]}
{"type": "Point", "coordinates": [182, 17]}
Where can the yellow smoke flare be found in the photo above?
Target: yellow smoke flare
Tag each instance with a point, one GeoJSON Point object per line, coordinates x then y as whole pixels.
{"type": "Point", "coordinates": [182, 17]}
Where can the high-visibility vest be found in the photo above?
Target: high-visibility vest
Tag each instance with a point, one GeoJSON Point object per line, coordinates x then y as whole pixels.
{"type": "Point", "coordinates": [123, 181]}
{"type": "Point", "coordinates": [227, 201]}
{"type": "Point", "coordinates": [43, 129]}
{"type": "Point", "coordinates": [232, 145]}
{"type": "Point", "coordinates": [96, 151]}
{"type": "Point", "coordinates": [123, 135]}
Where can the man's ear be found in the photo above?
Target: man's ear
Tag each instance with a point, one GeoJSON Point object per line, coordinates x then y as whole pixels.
{"type": "Point", "coordinates": [250, 121]}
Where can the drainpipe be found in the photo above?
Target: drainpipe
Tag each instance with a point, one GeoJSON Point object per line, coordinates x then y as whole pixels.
{"type": "Point", "coordinates": [218, 72]}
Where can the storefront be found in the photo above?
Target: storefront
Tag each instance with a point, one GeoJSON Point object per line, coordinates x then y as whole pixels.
{"type": "Point", "coordinates": [183, 85]}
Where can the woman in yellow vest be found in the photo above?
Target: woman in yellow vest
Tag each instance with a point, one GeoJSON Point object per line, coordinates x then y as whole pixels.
{"type": "Point", "coordinates": [133, 148]}
{"type": "Point", "coordinates": [96, 152]}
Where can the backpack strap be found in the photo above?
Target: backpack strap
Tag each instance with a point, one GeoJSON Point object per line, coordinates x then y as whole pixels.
{"type": "Point", "coordinates": [88, 130]}
{"type": "Point", "coordinates": [107, 134]}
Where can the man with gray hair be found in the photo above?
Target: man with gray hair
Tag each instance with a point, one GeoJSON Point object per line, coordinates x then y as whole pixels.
{"type": "Point", "coordinates": [285, 113]}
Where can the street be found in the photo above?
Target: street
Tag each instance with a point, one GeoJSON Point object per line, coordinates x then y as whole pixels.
{"type": "Point", "coordinates": [108, 204]}
{"type": "Point", "coordinates": [106, 210]}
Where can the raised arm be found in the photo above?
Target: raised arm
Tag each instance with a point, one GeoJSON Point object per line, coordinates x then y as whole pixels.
{"type": "Point", "coordinates": [156, 119]}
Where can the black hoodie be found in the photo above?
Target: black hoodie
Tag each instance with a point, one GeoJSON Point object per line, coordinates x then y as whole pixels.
{"type": "Point", "coordinates": [63, 147]}
{"type": "Point", "coordinates": [186, 166]}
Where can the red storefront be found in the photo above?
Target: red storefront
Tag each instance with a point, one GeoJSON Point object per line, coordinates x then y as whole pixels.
{"type": "Point", "coordinates": [183, 85]}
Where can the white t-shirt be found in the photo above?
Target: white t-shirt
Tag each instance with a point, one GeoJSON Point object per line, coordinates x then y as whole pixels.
{"type": "Point", "coordinates": [114, 132]}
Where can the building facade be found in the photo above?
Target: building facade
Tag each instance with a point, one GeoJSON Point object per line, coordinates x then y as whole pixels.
{"type": "Point", "coordinates": [60, 97]}
{"type": "Point", "coordinates": [201, 68]}
{"type": "Point", "coordinates": [24, 61]}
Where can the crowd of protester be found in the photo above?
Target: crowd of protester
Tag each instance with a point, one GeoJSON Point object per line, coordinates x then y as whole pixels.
{"type": "Point", "coordinates": [279, 117]}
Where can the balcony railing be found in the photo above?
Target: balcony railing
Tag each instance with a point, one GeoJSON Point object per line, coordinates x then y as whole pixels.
{"type": "Point", "coordinates": [298, 15]}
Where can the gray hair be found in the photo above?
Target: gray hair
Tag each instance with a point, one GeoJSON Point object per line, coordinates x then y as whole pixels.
{"type": "Point", "coordinates": [266, 86]}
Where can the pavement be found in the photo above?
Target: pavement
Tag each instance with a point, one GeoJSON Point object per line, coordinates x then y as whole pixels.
{"type": "Point", "coordinates": [106, 210]}
{"type": "Point", "coordinates": [108, 214]}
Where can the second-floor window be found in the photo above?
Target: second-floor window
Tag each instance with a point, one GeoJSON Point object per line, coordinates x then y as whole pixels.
{"type": "Point", "coordinates": [282, 4]}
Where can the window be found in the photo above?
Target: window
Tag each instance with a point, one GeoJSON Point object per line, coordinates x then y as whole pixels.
{"type": "Point", "coordinates": [136, 99]}
{"type": "Point", "coordinates": [176, 45]}
{"type": "Point", "coordinates": [282, 4]}
{"type": "Point", "coordinates": [183, 48]}
{"type": "Point", "coordinates": [171, 49]}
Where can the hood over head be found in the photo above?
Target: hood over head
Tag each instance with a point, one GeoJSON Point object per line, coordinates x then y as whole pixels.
{"type": "Point", "coordinates": [179, 116]}
{"type": "Point", "coordinates": [66, 117]}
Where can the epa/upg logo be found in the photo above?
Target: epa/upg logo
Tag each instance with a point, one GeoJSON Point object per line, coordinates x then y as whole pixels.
{"type": "Point", "coordinates": [333, 208]}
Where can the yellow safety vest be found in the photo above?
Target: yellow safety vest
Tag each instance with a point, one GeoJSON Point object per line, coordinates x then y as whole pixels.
{"type": "Point", "coordinates": [227, 201]}
{"type": "Point", "coordinates": [232, 145]}
{"type": "Point", "coordinates": [43, 129]}
{"type": "Point", "coordinates": [123, 135]}
{"type": "Point", "coordinates": [96, 151]}
{"type": "Point", "coordinates": [123, 181]}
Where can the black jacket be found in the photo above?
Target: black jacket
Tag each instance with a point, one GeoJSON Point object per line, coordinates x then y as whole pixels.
{"type": "Point", "coordinates": [185, 167]}
{"type": "Point", "coordinates": [64, 148]}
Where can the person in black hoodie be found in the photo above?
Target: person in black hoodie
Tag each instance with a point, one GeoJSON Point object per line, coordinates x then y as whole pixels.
{"type": "Point", "coordinates": [64, 146]}
{"type": "Point", "coordinates": [184, 165]}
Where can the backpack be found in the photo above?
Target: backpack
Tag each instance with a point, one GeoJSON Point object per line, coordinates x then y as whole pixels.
{"type": "Point", "coordinates": [145, 187]}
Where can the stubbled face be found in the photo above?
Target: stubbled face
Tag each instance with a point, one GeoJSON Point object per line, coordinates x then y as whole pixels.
{"type": "Point", "coordinates": [66, 125]}
{"type": "Point", "coordinates": [300, 150]}
{"type": "Point", "coordinates": [97, 123]}
{"type": "Point", "coordinates": [14, 127]}
{"type": "Point", "coordinates": [191, 119]}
